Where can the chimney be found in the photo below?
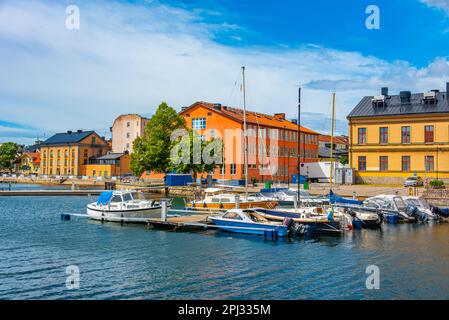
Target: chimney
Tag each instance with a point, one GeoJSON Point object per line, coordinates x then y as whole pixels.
{"type": "Point", "coordinates": [294, 121]}
{"type": "Point", "coordinates": [279, 116]}
{"type": "Point", "coordinates": [405, 97]}
{"type": "Point", "coordinates": [384, 91]}
{"type": "Point", "coordinates": [217, 106]}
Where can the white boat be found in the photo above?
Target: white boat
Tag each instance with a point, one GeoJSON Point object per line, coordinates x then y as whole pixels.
{"type": "Point", "coordinates": [123, 206]}
{"type": "Point", "coordinates": [386, 204]}
{"type": "Point", "coordinates": [247, 222]}
{"type": "Point", "coordinates": [369, 219]}
{"type": "Point", "coordinates": [424, 208]}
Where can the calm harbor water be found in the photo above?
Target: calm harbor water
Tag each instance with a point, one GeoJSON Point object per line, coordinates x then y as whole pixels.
{"type": "Point", "coordinates": [132, 262]}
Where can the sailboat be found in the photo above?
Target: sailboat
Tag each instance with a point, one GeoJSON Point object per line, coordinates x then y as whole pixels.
{"type": "Point", "coordinates": [216, 199]}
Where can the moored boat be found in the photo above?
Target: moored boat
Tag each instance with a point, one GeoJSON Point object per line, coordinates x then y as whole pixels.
{"type": "Point", "coordinates": [216, 199]}
{"type": "Point", "coordinates": [247, 222]}
{"type": "Point", "coordinates": [123, 206]}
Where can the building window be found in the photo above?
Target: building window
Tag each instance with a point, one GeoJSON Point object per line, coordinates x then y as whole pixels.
{"type": "Point", "coordinates": [233, 169]}
{"type": "Point", "coordinates": [199, 123]}
{"type": "Point", "coordinates": [430, 164]}
{"type": "Point", "coordinates": [128, 124]}
{"type": "Point", "coordinates": [428, 134]}
{"type": "Point", "coordinates": [362, 163]}
{"type": "Point", "coordinates": [405, 163]}
{"type": "Point", "coordinates": [212, 133]}
{"type": "Point", "coordinates": [405, 135]}
{"type": "Point", "coordinates": [383, 163]}
{"type": "Point", "coordinates": [362, 135]}
{"type": "Point", "coordinates": [223, 170]}
{"type": "Point", "coordinates": [128, 135]}
{"type": "Point", "coordinates": [383, 135]}
{"type": "Point", "coordinates": [127, 146]}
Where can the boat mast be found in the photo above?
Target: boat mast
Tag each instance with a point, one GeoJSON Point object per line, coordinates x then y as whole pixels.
{"type": "Point", "coordinates": [332, 140]}
{"type": "Point", "coordinates": [299, 142]}
{"type": "Point", "coordinates": [245, 144]}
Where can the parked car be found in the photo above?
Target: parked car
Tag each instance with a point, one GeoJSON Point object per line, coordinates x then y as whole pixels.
{"type": "Point", "coordinates": [413, 182]}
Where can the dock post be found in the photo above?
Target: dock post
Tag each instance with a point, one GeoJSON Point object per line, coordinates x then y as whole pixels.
{"type": "Point", "coordinates": [237, 201]}
{"type": "Point", "coordinates": [295, 201]}
{"type": "Point", "coordinates": [163, 210]}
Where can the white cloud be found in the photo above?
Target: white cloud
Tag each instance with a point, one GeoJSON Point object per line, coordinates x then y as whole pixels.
{"type": "Point", "coordinates": [440, 4]}
{"type": "Point", "coordinates": [128, 58]}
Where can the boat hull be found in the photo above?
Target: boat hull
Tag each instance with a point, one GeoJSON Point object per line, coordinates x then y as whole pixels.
{"type": "Point", "coordinates": [248, 228]}
{"type": "Point", "coordinates": [130, 216]}
{"type": "Point", "coordinates": [201, 206]}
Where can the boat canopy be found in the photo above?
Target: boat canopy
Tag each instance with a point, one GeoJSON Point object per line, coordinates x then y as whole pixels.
{"type": "Point", "coordinates": [104, 198]}
{"type": "Point", "coordinates": [337, 199]}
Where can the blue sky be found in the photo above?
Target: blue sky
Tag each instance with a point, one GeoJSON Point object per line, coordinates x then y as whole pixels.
{"type": "Point", "coordinates": [128, 56]}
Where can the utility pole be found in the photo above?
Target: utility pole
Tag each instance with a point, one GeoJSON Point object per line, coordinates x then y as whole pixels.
{"type": "Point", "coordinates": [332, 141]}
{"type": "Point", "coordinates": [245, 144]}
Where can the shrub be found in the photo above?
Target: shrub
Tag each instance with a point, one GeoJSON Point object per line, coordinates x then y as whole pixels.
{"type": "Point", "coordinates": [436, 184]}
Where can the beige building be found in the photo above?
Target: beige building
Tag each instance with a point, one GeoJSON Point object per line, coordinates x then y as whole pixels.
{"type": "Point", "coordinates": [125, 129]}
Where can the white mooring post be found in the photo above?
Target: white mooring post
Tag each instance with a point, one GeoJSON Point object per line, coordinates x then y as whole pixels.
{"type": "Point", "coordinates": [237, 202]}
{"type": "Point", "coordinates": [163, 210]}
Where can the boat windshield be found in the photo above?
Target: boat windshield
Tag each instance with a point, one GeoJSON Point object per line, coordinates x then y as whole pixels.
{"type": "Point", "coordinates": [400, 204]}
{"type": "Point", "coordinates": [414, 202]}
{"type": "Point", "coordinates": [424, 203]}
{"type": "Point", "coordinates": [232, 215]}
{"type": "Point", "coordinates": [127, 197]}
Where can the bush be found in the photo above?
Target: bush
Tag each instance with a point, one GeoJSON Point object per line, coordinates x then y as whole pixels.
{"type": "Point", "coordinates": [436, 184]}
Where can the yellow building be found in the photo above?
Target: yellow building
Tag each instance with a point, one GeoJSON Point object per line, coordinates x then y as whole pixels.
{"type": "Point", "coordinates": [394, 137]}
{"type": "Point", "coordinates": [69, 153]}
{"type": "Point", "coordinates": [28, 163]}
{"type": "Point", "coordinates": [109, 165]}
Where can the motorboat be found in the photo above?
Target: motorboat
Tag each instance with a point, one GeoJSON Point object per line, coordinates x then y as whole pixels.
{"type": "Point", "coordinates": [368, 219]}
{"type": "Point", "coordinates": [389, 205]}
{"type": "Point", "coordinates": [316, 219]}
{"type": "Point", "coordinates": [424, 209]}
{"type": "Point", "coordinates": [247, 221]}
{"type": "Point", "coordinates": [216, 199]}
{"type": "Point", "coordinates": [123, 206]}
{"type": "Point", "coordinates": [287, 197]}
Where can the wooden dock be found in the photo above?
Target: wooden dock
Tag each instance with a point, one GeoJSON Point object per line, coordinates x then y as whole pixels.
{"type": "Point", "coordinates": [195, 222]}
{"type": "Point", "coordinates": [34, 193]}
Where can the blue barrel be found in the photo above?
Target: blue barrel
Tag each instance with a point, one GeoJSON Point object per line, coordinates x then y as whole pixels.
{"type": "Point", "coordinates": [357, 224]}
{"type": "Point", "coordinates": [391, 218]}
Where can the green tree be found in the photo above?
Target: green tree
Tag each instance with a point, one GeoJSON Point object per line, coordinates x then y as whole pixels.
{"type": "Point", "coordinates": [191, 154]}
{"type": "Point", "coordinates": [8, 153]}
{"type": "Point", "coordinates": [152, 150]}
{"type": "Point", "coordinates": [344, 160]}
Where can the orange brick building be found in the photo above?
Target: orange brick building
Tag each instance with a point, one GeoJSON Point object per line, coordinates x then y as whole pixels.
{"type": "Point", "coordinates": [272, 141]}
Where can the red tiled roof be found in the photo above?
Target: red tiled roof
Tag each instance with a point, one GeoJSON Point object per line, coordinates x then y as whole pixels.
{"type": "Point", "coordinates": [276, 121]}
{"type": "Point", "coordinates": [337, 139]}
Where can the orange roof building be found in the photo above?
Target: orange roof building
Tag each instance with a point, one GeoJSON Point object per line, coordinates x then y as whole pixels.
{"type": "Point", "coordinates": [272, 141]}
